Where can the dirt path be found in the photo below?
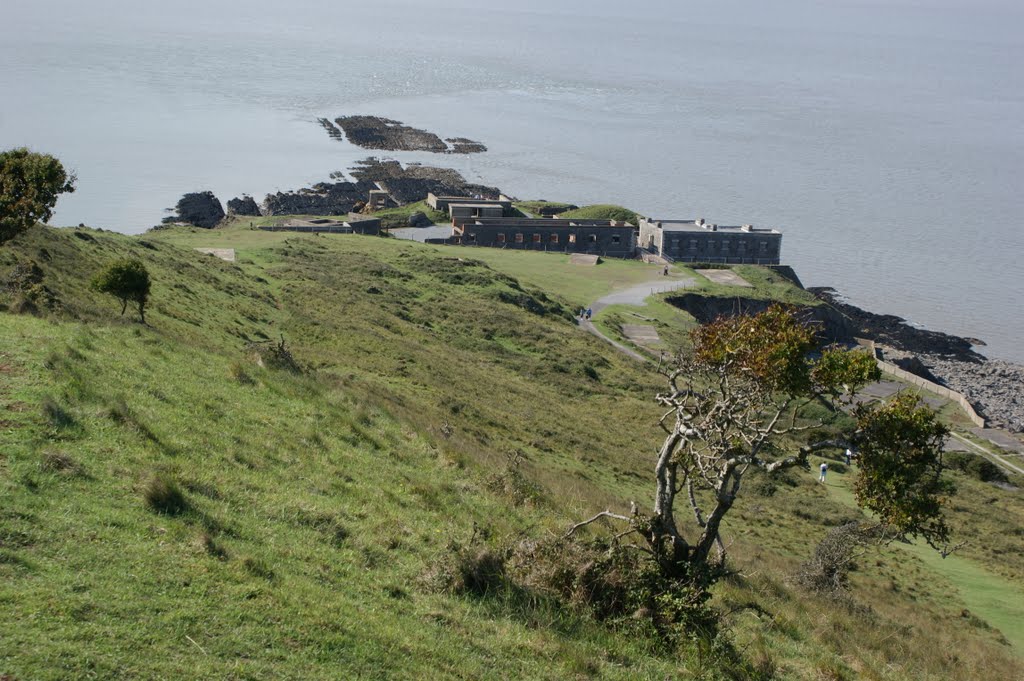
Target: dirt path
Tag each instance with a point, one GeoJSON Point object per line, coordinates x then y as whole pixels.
{"type": "Point", "coordinates": [634, 295]}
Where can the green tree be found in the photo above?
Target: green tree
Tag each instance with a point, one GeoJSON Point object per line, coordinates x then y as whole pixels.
{"type": "Point", "coordinates": [128, 281]}
{"type": "Point", "coordinates": [900, 468]}
{"type": "Point", "coordinates": [29, 186]}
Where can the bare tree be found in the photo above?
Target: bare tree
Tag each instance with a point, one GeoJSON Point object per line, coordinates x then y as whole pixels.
{"type": "Point", "coordinates": [731, 404]}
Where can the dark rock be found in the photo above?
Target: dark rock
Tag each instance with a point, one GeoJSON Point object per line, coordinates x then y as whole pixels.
{"type": "Point", "coordinates": [894, 331]}
{"type": "Point", "coordinates": [325, 198]}
{"type": "Point", "coordinates": [375, 132]}
{"type": "Point", "coordinates": [201, 209]}
{"type": "Point", "coordinates": [418, 219]}
{"type": "Point", "coordinates": [245, 205]}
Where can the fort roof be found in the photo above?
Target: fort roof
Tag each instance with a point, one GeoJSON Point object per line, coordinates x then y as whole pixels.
{"type": "Point", "coordinates": [700, 225]}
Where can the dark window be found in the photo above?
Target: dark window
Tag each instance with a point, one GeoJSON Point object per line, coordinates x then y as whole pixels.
{"type": "Point", "coordinates": [553, 238]}
{"type": "Point", "coordinates": [471, 238]}
{"type": "Point", "coordinates": [536, 238]}
{"type": "Point", "coordinates": [592, 238]}
{"type": "Point", "coordinates": [519, 238]}
{"type": "Point", "coordinates": [501, 238]}
{"type": "Point", "coordinates": [616, 239]}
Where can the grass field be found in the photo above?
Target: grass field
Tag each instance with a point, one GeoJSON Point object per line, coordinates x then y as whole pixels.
{"type": "Point", "coordinates": [314, 506]}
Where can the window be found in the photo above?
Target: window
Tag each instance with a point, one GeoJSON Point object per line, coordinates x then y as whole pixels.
{"type": "Point", "coordinates": [553, 238]}
{"type": "Point", "coordinates": [501, 238]}
{"type": "Point", "coordinates": [616, 239]}
{"type": "Point", "coordinates": [725, 245]}
{"type": "Point", "coordinates": [536, 238]}
{"type": "Point", "coordinates": [592, 238]}
{"type": "Point", "coordinates": [693, 244]}
{"type": "Point", "coordinates": [763, 246]}
{"type": "Point", "coordinates": [572, 238]}
{"type": "Point", "coordinates": [471, 238]}
{"type": "Point", "coordinates": [519, 238]}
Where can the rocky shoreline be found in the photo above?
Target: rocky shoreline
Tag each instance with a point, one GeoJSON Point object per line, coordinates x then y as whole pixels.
{"type": "Point", "coordinates": [995, 387]}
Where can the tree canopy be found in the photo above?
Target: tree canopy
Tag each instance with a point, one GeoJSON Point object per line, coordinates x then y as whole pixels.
{"type": "Point", "coordinates": [128, 281]}
{"type": "Point", "coordinates": [30, 184]}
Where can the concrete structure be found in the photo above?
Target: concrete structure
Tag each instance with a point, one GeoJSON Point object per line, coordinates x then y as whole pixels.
{"type": "Point", "coordinates": [442, 203]}
{"type": "Point", "coordinates": [380, 199]}
{"type": "Point", "coordinates": [475, 210]}
{"type": "Point", "coordinates": [598, 237]}
{"type": "Point", "coordinates": [355, 223]}
{"type": "Point", "coordinates": [701, 241]}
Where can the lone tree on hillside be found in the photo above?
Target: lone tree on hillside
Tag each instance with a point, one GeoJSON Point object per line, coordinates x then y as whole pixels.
{"type": "Point", "coordinates": [29, 186]}
{"type": "Point", "coordinates": [733, 404]}
{"type": "Point", "coordinates": [128, 281]}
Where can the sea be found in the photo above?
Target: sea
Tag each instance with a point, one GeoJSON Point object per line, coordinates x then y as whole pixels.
{"type": "Point", "coordinates": [885, 138]}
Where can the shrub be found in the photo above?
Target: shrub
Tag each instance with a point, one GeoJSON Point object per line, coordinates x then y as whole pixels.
{"type": "Point", "coordinates": [164, 496]}
{"type": "Point", "coordinates": [512, 482]}
{"type": "Point", "coordinates": [617, 586]}
{"type": "Point", "coordinates": [275, 356]}
{"type": "Point", "coordinates": [977, 467]}
{"type": "Point", "coordinates": [471, 569]}
{"type": "Point", "coordinates": [827, 572]}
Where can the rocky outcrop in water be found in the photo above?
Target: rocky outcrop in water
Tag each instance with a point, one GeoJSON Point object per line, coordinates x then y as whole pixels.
{"type": "Point", "coordinates": [375, 132]}
{"type": "Point", "coordinates": [245, 205]}
{"type": "Point", "coordinates": [201, 209]}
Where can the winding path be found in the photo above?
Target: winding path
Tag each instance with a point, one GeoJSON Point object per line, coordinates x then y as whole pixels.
{"type": "Point", "coordinates": [634, 295]}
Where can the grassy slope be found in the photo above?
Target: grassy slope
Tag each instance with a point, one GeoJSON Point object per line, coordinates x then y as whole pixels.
{"type": "Point", "coordinates": [319, 502]}
{"type": "Point", "coordinates": [602, 211]}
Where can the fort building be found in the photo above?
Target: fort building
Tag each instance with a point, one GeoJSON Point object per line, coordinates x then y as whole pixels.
{"type": "Point", "coordinates": [609, 238]}
{"type": "Point", "coordinates": [700, 241]}
{"type": "Point", "coordinates": [469, 206]}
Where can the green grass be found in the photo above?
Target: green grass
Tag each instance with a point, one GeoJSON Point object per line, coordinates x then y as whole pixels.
{"type": "Point", "coordinates": [399, 217]}
{"type": "Point", "coordinates": [534, 207]}
{"type": "Point", "coordinates": [315, 505]}
{"type": "Point", "coordinates": [765, 285]}
{"type": "Point", "coordinates": [603, 211]}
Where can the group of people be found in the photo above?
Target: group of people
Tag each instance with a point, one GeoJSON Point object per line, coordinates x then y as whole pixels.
{"type": "Point", "coordinates": [585, 313]}
{"type": "Point", "coordinates": [848, 455]}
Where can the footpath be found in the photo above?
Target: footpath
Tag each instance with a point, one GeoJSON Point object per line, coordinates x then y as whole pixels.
{"type": "Point", "coordinates": [634, 295]}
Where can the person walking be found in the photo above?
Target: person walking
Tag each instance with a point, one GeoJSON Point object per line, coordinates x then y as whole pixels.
{"type": "Point", "coordinates": [824, 470]}
{"type": "Point", "coordinates": [849, 456]}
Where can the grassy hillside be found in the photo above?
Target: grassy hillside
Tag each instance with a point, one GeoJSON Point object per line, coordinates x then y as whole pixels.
{"type": "Point", "coordinates": [314, 506]}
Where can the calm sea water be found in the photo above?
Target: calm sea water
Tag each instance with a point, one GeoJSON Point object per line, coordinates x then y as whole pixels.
{"type": "Point", "coordinates": [885, 137]}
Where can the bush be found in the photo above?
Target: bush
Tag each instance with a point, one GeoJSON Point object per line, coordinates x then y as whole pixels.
{"type": "Point", "coordinates": [164, 496]}
{"type": "Point", "coordinates": [977, 467]}
{"type": "Point", "coordinates": [274, 356]}
{"type": "Point", "coordinates": [827, 572]}
{"type": "Point", "coordinates": [618, 586]}
{"type": "Point", "coordinates": [473, 569]}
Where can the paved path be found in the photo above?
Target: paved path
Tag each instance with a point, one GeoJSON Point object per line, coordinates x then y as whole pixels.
{"type": "Point", "coordinates": [634, 295]}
